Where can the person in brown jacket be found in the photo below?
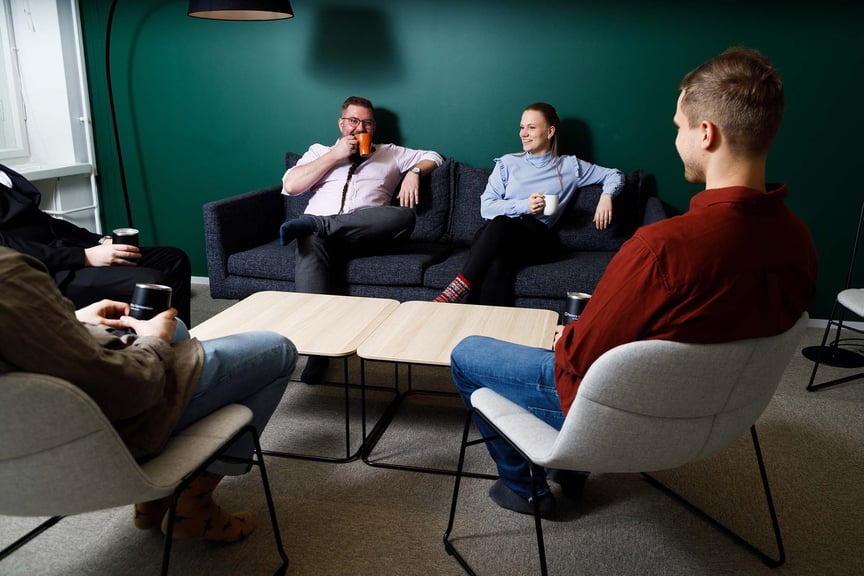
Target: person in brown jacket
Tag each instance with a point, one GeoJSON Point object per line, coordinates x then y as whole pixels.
{"type": "Point", "coordinates": [150, 383]}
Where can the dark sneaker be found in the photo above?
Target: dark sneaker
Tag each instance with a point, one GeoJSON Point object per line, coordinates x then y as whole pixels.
{"type": "Point", "coordinates": [506, 498]}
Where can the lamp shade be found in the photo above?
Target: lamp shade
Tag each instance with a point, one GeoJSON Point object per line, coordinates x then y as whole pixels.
{"type": "Point", "coordinates": [241, 9]}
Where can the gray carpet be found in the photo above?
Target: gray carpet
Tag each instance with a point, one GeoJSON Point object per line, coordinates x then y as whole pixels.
{"type": "Point", "coordinates": [354, 519]}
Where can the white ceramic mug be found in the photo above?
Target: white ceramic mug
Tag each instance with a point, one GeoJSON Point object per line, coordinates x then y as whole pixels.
{"type": "Point", "coordinates": [551, 204]}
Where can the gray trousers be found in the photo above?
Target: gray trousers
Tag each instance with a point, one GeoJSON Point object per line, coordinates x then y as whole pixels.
{"type": "Point", "coordinates": [342, 235]}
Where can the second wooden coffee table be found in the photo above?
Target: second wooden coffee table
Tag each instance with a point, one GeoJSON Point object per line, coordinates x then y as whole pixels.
{"type": "Point", "coordinates": [317, 324]}
{"type": "Point", "coordinates": [426, 333]}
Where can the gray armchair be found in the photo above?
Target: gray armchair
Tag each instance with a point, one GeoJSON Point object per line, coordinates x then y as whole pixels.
{"type": "Point", "coordinates": [647, 406]}
{"type": "Point", "coordinates": [61, 456]}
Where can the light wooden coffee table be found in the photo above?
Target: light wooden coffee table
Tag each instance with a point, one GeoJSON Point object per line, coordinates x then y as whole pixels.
{"type": "Point", "coordinates": [317, 324]}
{"type": "Point", "coordinates": [426, 332]}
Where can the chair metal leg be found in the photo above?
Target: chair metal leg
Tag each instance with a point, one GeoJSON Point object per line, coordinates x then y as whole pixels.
{"type": "Point", "coordinates": [824, 352]}
{"type": "Point", "coordinates": [767, 560]}
{"type": "Point", "coordinates": [448, 545]}
{"type": "Point", "coordinates": [30, 536]}
{"type": "Point", "coordinates": [277, 533]}
{"type": "Point", "coordinates": [257, 461]}
{"type": "Point", "coordinates": [538, 524]}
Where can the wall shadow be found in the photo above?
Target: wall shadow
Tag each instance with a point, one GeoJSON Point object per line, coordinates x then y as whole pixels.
{"type": "Point", "coordinates": [387, 129]}
{"type": "Point", "coordinates": [575, 138]}
{"type": "Point", "coordinates": [352, 43]}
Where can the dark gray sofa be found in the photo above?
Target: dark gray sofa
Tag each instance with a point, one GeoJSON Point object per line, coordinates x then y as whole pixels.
{"type": "Point", "coordinates": [244, 255]}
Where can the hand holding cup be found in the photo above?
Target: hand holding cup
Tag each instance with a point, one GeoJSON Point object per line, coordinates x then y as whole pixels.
{"type": "Point", "coordinates": [128, 236]}
{"type": "Point", "coordinates": [148, 300]}
{"type": "Point", "coordinates": [551, 204]}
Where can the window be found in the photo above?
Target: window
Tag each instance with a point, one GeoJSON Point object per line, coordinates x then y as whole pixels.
{"type": "Point", "coordinates": [13, 134]}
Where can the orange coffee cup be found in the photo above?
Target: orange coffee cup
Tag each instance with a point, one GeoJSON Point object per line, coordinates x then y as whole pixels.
{"type": "Point", "coordinates": [364, 141]}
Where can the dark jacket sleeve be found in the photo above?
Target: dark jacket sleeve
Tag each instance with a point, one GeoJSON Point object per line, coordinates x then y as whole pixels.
{"type": "Point", "coordinates": [64, 250]}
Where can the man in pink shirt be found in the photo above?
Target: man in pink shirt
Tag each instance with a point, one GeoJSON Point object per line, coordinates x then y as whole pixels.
{"type": "Point", "coordinates": [350, 208]}
{"type": "Point", "coordinates": [739, 264]}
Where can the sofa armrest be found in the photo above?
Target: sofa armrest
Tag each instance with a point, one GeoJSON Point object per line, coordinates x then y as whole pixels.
{"type": "Point", "coordinates": [240, 223]}
{"type": "Point", "coordinates": [654, 211]}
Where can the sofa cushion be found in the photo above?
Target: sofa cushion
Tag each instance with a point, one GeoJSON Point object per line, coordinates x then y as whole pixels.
{"type": "Point", "coordinates": [405, 266]}
{"type": "Point", "coordinates": [470, 182]}
{"type": "Point", "coordinates": [433, 211]}
{"type": "Point", "coordinates": [573, 272]}
{"type": "Point", "coordinates": [270, 260]}
{"type": "Point", "coordinates": [576, 229]}
{"type": "Point", "coordinates": [579, 272]}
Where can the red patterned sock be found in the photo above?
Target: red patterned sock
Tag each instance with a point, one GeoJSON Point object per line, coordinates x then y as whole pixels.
{"type": "Point", "coordinates": [455, 292]}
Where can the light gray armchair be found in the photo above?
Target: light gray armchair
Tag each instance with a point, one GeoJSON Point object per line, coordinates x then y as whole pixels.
{"type": "Point", "coordinates": [648, 406]}
{"type": "Point", "coordinates": [59, 455]}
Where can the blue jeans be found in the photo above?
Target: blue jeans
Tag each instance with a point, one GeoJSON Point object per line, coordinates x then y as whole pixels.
{"type": "Point", "coordinates": [251, 368]}
{"type": "Point", "coordinates": [523, 375]}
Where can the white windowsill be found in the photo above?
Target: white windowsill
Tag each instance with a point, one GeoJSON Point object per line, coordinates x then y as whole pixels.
{"type": "Point", "coordinates": [46, 172]}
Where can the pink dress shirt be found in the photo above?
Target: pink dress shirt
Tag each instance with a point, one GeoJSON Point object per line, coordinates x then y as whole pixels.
{"type": "Point", "coordinates": [372, 184]}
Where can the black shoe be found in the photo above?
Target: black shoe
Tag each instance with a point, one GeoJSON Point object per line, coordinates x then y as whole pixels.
{"type": "Point", "coordinates": [296, 228]}
{"type": "Point", "coordinates": [572, 482]}
{"type": "Point", "coordinates": [506, 498]}
{"type": "Point", "coordinates": [315, 370]}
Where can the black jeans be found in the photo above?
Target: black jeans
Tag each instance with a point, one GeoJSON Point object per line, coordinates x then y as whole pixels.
{"type": "Point", "coordinates": [501, 248]}
{"type": "Point", "coordinates": [157, 265]}
{"type": "Point", "coordinates": [369, 230]}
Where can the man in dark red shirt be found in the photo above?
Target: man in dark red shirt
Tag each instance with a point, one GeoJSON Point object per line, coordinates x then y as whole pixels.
{"type": "Point", "coordinates": [738, 265]}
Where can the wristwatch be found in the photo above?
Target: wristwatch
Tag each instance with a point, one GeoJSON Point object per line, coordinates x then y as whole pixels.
{"type": "Point", "coordinates": [416, 170]}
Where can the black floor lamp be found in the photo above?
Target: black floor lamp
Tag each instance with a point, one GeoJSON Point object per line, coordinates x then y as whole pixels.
{"type": "Point", "coordinates": [211, 9]}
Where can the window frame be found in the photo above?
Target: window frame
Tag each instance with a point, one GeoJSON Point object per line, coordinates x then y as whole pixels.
{"type": "Point", "coordinates": [14, 141]}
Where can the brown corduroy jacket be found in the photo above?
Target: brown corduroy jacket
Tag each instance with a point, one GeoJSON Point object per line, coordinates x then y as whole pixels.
{"type": "Point", "coordinates": [141, 384]}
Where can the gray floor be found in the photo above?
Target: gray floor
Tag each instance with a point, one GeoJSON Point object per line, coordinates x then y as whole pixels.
{"type": "Point", "coordinates": [353, 519]}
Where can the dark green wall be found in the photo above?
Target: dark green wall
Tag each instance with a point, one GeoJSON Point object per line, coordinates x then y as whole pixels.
{"type": "Point", "coordinates": [207, 108]}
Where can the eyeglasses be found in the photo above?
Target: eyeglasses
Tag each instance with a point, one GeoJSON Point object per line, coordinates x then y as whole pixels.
{"type": "Point", "coordinates": [354, 122]}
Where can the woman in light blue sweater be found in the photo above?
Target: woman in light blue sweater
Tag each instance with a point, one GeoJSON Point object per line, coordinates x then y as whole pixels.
{"type": "Point", "coordinates": [518, 232]}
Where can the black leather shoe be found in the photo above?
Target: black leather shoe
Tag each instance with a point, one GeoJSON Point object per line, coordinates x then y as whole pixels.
{"type": "Point", "coordinates": [315, 370]}
{"type": "Point", "coordinates": [506, 498]}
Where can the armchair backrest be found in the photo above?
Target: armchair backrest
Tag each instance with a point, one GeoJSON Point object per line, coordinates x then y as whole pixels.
{"type": "Point", "coordinates": [59, 454]}
{"type": "Point", "coordinates": [654, 405]}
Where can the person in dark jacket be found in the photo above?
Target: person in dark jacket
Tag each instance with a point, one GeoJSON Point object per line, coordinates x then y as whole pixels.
{"type": "Point", "coordinates": [85, 266]}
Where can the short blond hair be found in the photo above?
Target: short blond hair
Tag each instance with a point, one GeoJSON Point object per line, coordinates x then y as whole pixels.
{"type": "Point", "coordinates": [741, 92]}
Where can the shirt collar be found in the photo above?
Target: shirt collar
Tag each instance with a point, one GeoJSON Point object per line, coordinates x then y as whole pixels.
{"type": "Point", "coordinates": [775, 194]}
